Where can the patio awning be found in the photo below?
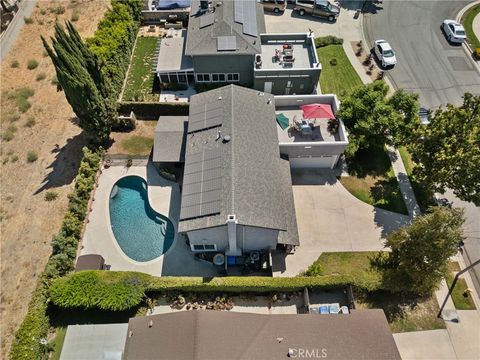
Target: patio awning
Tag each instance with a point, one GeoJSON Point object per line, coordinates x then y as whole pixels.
{"type": "Point", "coordinates": [282, 120]}
{"type": "Point", "coordinates": [317, 111]}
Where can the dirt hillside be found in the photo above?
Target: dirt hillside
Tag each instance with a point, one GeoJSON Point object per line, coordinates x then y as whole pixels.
{"type": "Point", "coordinates": [43, 130]}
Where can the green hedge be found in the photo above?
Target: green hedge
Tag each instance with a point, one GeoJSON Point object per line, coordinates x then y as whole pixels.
{"type": "Point", "coordinates": [110, 290]}
{"type": "Point", "coordinates": [113, 41]}
{"type": "Point", "coordinates": [151, 111]}
{"type": "Point", "coordinates": [64, 246]}
{"type": "Point", "coordinates": [327, 40]}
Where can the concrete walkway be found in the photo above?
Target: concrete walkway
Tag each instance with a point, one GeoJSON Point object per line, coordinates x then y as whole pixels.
{"type": "Point", "coordinates": [403, 182]}
{"type": "Point", "coordinates": [9, 36]}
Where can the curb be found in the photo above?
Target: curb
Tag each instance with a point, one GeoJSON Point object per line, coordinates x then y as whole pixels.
{"type": "Point", "coordinates": [466, 47]}
{"type": "Point", "coordinates": [386, 78]}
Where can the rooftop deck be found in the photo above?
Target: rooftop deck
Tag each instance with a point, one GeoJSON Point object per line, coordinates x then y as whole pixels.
{"type": "Point", "coordinates": [171, 56]}
{"type": "Point", "coordinates": [300, 47]}
{"type": "Point", "coordinates": [320, 132]}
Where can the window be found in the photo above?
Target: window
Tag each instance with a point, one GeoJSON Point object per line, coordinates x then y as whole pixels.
{"type": "Point", "coordinates": [214, 77]}
{"type": "Point", "coordinates": [233, 77]}
{"type": "Point", "coordinates": [204, 247]}
{"type": "Point", "coordinates": [182, 78]}
{"type": "Point", "coordinates": [203, 77]}
{"type": "Point", "coordinates": [221, 77]}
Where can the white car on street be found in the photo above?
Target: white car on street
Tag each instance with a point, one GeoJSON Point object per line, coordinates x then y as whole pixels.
{"type": "Point", "coordinates": [384, 53]}
{"type": "Point", "coordinates": [454, 31]}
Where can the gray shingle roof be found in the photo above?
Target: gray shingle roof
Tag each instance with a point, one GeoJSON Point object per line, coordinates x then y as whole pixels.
{"type": "Point", "coordinates": [203, 41]}
{"type": "Point", "coordinates": [256, 182]}
{"type": "Point", "coordinates": [210, 334]}
{"type": "Point", "coordinates": [169, 142]}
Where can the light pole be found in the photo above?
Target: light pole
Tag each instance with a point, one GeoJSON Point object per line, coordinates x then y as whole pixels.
{"type": "Point", "coordinates": [453, 285]}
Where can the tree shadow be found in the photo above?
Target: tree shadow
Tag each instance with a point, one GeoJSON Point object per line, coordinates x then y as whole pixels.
{"type": "Point", "coordinates": [373, 161]}
{"type": "Point", "coordinates": [65, 166]}
{"type": "Point", "coordinates": [365, 6]}
{"type": "Point", "coordinates": [64, 317]}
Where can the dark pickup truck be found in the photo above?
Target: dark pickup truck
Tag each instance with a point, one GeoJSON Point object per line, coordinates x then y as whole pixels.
{"type": "Point", "coordinates": [321, 8]}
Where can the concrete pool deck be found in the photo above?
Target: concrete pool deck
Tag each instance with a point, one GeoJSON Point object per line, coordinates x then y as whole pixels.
{"type": "Point", "coordinates": [164, 198]}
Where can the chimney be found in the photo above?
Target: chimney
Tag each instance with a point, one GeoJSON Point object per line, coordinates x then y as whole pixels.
{"type": "Point", "coordinates": [233, 250]}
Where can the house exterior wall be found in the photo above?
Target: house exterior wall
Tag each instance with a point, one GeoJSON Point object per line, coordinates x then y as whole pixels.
{"type": "Point", "coordinates": [249, 238]}
{"type": "Point", "coordinates": [226, 64]}
{"type": "Point", "coordinates": [287, 82]}
{"type": "Point", "coordinates": [313, 154]}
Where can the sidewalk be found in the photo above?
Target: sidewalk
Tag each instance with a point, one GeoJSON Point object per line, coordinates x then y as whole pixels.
{"type": "Point", "coordinates": [403, 182]}
{"type": "Point", "coordinates": [464, 334]}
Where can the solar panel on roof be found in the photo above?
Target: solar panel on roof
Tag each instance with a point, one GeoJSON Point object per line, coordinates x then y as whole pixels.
{"type": "Point", "coordinates": [202, 184]}
{"type": "Point", "coordinates": [207, 19]}
{"type": "Point", "coordinates": [225, 43]}
{"type": "Point", "coordinates": [238, 9]}
{"type": "Point", "coordinates": [250, 17]}
{"type": "Point", "coordinates": [205, 117]}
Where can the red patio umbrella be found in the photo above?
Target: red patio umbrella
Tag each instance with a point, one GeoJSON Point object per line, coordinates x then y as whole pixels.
{"type": "Point", "coordinates": [317, 111]}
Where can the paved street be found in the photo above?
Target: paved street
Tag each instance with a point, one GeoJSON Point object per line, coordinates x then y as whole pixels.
{"type": "Point", "coordinates": [427, 63]}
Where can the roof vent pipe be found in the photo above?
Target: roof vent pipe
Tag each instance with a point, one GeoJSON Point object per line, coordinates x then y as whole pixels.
{"type": "Point", "coordinates": [150, 323]}
{"type": "Point", "coordinates": [219, 135]}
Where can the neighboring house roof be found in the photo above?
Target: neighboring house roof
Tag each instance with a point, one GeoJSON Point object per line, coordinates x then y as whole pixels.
{"type": "Point", "coordinates": [101, 341]}
{"type": "Point", "coordinates": [246, 175]}
{"type": "Point", "coordinates": [169, 142]}
{"type": "Point", "coordinates": [210, 334]}
{"type": "Point", "coordinates": [203, 39]}
{"type": "Point", "coordinates": [90, 262]}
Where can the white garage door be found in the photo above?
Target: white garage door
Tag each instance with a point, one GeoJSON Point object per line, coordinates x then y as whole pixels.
{"type": "Point", "coordinates": [313, 162]}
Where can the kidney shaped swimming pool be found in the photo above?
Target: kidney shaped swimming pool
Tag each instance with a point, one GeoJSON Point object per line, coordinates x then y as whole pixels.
{"type": "Point", "coordinates": [141, 232]}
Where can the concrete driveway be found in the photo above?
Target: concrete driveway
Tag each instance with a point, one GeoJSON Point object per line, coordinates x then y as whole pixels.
{"type": "Point", "coordinates": [330, 219]}
{"type": "Point", "coordinates": [290, 21]}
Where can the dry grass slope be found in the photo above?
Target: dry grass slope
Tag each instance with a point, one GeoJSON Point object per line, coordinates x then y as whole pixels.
{"type": "Point", "coordinates": [27, 221]}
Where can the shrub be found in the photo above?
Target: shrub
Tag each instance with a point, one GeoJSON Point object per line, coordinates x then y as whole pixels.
{"type": "Point", "coordinates": [32, 156]}
{"type": "Point", "coordinates": [7, 135]}
{"type": "Point", "coordinates": [32, 64]}
{"type": "Point", "coordinates": [333, 62]}
{"type": "Point", "coordinates": [121, 291]}
{"type": "Point", "coordinates": [43, 11]}
{"type": "Point", "coordinates": [110, 290]}
{"type": "Point", "coordinates": [51, 195]}
{"type": "Point", "coordinates": [327, 40]}
{"type": "Point", "coordinates": [28, 20]}
{"type": "Point", "coordinates": [476, 53]}
{"type": "Point", "coordinates": [40, 76]}
{"type": "Point", "coordinates": [144, 110]}
{"type": "Point", "coordinates": [54, 81]}
{"type": "Point", "coordinates": [75, 16]}
{"type": "Point", "coordinates": [30, 122]}
{"type": "Point", "coordinates": [14, 64]}
{"type": "Point", "coordinates": [14, 158]}
{"type": "Point", "coordinates": [21, 97]}
{"type": "Point", "coordinates": [58, 10]}
{"type": "Point", "coordinates": [13, 117]}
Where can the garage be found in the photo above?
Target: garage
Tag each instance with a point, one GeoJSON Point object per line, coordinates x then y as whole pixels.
{"type": "Point", "coordinates": [324, 161]}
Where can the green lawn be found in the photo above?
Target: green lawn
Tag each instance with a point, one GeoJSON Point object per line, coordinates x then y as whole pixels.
{"type": "Point", "coordinates": [373, 181]}
{"type": "Point", "coordinates": [57, 343]}
{"type": "Point", "coordinates": [336, 79]}
{"type": "Point", "coordinates": [139, 84]}
{"type": "Point", "coordinates": [461, 302]}
{"type": "Point", "coordinates": [355, 264]}
{"type": "Point", "coordinates": [404, 313]}
{"type": "Point", "coordinates": [422, 194]}
{"type": "Point", "coordinates": [467, 20]}
{"type": "Point", "coordinates": [137, 145]}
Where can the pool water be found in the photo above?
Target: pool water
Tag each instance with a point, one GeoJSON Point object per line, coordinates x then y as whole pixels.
{"type": "Point", "coordinates": [141, 232]}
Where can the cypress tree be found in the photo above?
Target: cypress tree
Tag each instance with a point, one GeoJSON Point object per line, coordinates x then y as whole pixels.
{"type": "Point", "coordinates": [86, 88]}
